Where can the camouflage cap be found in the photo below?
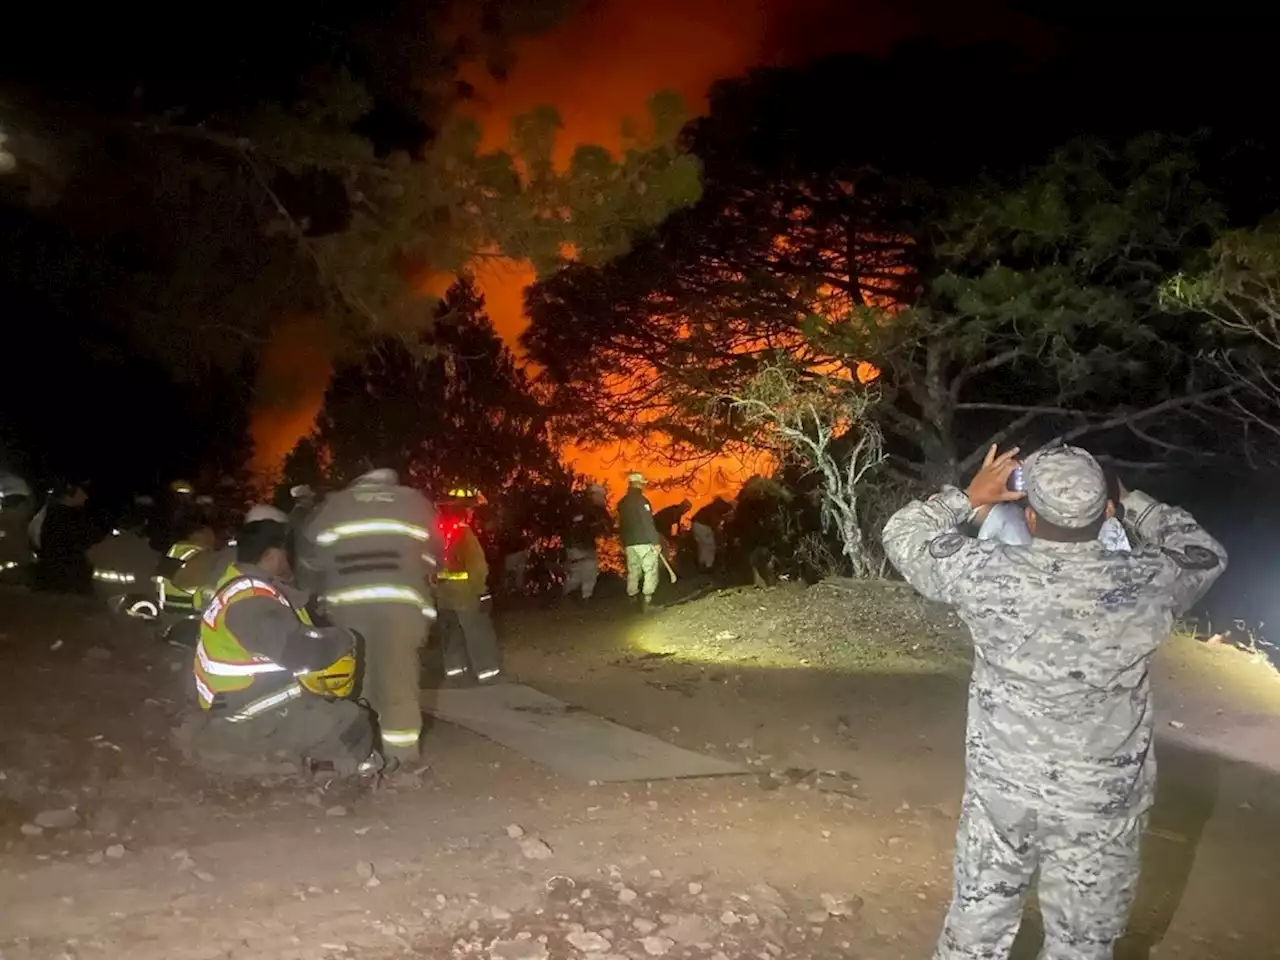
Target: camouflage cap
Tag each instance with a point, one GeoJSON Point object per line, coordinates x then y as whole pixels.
{"type": "Point", "coordinates": [1065, 486]}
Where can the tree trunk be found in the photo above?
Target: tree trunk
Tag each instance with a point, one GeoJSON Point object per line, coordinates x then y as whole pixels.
{"type": "Point", "coordinates": [942, 462]}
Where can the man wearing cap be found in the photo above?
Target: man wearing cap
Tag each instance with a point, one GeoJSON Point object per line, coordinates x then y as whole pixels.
{"type": "Point", "coordinates": [640, 539]}
{"type": "Point", "coordinates": [1060, 773]}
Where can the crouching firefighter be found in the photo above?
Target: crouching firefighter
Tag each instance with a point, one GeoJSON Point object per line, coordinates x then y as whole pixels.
{"type": "Point", "coordinates": [369, 553]}
{"type": "Point", "coordinates": [466, 624]}
{"type": "Point", "coordinates": [271, 686]}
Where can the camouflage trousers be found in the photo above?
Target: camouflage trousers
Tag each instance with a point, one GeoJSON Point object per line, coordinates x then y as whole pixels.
{"type": "Point", "coordinates": [1088, 877]}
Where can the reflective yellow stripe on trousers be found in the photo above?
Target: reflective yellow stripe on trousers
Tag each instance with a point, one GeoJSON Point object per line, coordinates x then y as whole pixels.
{"type": "Point", "coordinates": [400, 738]}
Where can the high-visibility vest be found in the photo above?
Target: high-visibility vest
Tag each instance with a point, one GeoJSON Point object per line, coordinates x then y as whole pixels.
{"type": "Point", "coordinates": [222, 663]}
{"type": "Point", "coordinates": [171, 595]}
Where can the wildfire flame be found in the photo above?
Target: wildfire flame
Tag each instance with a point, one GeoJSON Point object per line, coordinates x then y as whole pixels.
{"type": "Point", "coordinates": [597, 68]}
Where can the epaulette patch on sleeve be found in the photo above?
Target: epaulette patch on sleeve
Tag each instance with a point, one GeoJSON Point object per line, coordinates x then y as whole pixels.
{"type": "Point", "coordinates": [947, 545]}
{"type": "Point", "coordinates": [1193, 557]}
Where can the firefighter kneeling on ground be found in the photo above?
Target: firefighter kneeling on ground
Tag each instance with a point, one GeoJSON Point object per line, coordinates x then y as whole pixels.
{"type": "Point", "coordinates": [462, 594]}
{"type": "Point", "coordinates": [270, 685]}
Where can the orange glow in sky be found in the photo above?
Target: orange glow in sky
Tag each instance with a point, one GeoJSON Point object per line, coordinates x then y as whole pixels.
{"type": "Point", "coordinates": [598, 68]}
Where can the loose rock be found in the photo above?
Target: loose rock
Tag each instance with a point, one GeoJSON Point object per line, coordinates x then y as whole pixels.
{"type": "Point", "coordinates": [689, 929]}
{"type": "Point", "coordinates": [526, 949]}
{"type": "Point", "coordinates": [535, 849]}
{"type": "Point", "coordinates": [515, 831]}
{"type": "Point", "coordinates": [115, 851]}
{"type": "Point", "coordinates": [657, 946]}
{"type": "Point", "coordinates": [627, 895]}
{"type": "Point", "coordinates": [588, 941]}
{"type": "Point", "coordinates": [31, 830]}
{"type": "Point", "coordinates": [644, 926]}
{"type": "Point", "coordinates": [695, 888]}
{"type": "Point", "coordinates": [839, 907]}
{"type": "Point", "coordinates": [337, 810]}
{"type": "Point", "coordinates": [366, 873]}
{"type": "Point", "coordinates": [57, 819]}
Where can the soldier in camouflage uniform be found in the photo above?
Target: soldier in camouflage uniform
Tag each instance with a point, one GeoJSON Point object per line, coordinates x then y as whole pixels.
{"type": "Point", "coordinates": [1060, 773]}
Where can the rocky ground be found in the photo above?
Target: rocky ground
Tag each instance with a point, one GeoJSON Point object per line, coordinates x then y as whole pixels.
{"type": "Point", "coordinates": [846, 701]}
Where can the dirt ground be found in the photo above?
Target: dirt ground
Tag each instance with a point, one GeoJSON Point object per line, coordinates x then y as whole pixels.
{"type": "Point", "coordinates": [848, 702]}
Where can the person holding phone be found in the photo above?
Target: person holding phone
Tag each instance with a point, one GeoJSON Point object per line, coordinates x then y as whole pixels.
{"type": "Point", "coordinates": [1007, 522]}
{"type": "Point", "coordinates": [1059, 768]}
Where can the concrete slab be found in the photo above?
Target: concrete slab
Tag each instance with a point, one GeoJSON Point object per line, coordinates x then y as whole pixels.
{"type": "Point", "coordinates": [568, 739]}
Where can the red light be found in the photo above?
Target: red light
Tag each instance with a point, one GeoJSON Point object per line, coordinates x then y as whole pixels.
{"type": "Point", "coordinates": [450, 528]}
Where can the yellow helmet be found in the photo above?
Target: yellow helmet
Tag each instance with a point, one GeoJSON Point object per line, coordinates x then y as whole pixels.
{"type": "Point", "coordinates": [464, 493]}
{"type": "Point", "coordinates": [182, 487]}
{"type": "Point", "coordinates": [337, 680]}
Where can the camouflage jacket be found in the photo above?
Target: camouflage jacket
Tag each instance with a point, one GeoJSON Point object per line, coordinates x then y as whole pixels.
{"type": "Point", "coordinates": [1060, 712]}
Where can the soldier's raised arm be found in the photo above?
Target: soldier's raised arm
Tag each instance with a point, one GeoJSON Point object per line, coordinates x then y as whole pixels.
{"type": "Point", "coordinates": [924, 540]}
{"type": "Point", "coordinates": [925, 544]}
{"type": "Point", "coordinates": [1196, 557]}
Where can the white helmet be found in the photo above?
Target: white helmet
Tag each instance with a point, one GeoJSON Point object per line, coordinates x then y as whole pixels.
{"type": "Point", "coordinates": [300, 491]}
{"type": "Point", "coordinates": [265, 511]}
{"type": "Point", "coordinates": [383, 477]}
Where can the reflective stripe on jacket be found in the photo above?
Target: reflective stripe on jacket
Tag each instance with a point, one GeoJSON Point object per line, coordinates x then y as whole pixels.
{"type": "Point", "coordinates": [222, 663]}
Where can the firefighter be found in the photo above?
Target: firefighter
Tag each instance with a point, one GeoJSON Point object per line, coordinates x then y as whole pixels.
{"type": "Point", "coordinates": [466, 625]}
{"type": "Point", "coordinates": [203, 572]}
{"type": "Point", "coordinates": [123, 561]}
{"type": "Point", "coordinates": [706, 526]}
{"type": "Point", "coordinates": [199, 538]}
{"type": "Point", "coordinates": [16, 511]}
{"type": "Point", "coordinates": [66, 534]}
{"type": "Point", "coordinates": [641, 540]}
{"type": "Point", "coordinates": [590, 522]}
{"type": "Point", "coordinates": [371, 549]}
{"type": "Point", "coordinates": [260, 672]}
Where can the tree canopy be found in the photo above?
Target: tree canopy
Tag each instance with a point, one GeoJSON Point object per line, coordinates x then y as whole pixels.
{"type": "Point", "coordinates": [1004, 301]}
{"type": "Point", "coordinates": [451, 409]}
{"type": "Point", "coordinates": [341, 181]}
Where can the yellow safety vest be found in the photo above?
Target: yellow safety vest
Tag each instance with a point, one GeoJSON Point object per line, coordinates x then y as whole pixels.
{"type": "Point", "coordinates": [224, 665]}
{"type": "Point", "coordinates": [171, 595]}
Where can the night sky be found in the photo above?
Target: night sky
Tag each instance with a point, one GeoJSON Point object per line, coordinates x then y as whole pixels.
{"type": "Point", "coordinates": [1117, 67]}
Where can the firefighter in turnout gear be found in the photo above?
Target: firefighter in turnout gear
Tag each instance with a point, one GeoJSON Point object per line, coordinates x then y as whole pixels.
{"type": "Point", "coordinates": [466, 625]}
{"type": "Point", "coordinates": [173, 598]}
{"type": "Point", "coordinates": [261, 673]}
{"type": "Point", "coordinates": [369, 550]}
{"type": "Point", "coordinates": [124, 564]}
{"type": "Point", "coordinates": [204, 572]}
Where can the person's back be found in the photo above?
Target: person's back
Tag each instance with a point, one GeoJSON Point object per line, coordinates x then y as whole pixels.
{"type": "Point", "coordinates": [635, 519]}
{"type": "Point", "coordinates": [368, 554]}
{"type": "Point", "coordinates": [464, 575]}
{"type": "Point", "coordinates": [65, 537]}
{"type": "Point", "coordinates": [588, 523]}
{"type": "Point", "coordinates": [1063, 633]}
{"type": "Point", "coordinates": [1060, 773]}
{"type": "Point", "coordinates": [370, 536]}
